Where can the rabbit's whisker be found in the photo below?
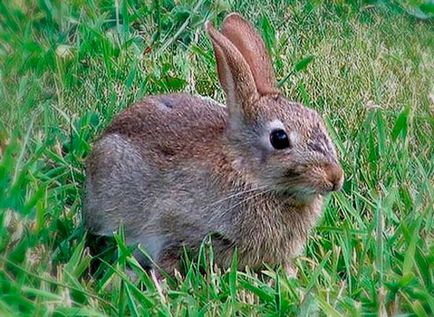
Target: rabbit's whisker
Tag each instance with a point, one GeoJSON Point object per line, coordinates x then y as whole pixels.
{"type": "Point", "coordinates": [244, 201]}
{"type": "Point", "coordinates": [237, 194]}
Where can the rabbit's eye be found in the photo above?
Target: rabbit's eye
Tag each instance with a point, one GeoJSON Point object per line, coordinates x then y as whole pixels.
{"type": "Point", "coordinates": [279, 139]}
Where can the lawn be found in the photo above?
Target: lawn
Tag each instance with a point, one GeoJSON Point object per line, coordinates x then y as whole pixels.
{"type": "Point", "coordinates": [68, 67]}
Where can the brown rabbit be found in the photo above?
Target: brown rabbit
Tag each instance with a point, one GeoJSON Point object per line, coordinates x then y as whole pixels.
{"type": "Point", "coordinates": [174, 169]}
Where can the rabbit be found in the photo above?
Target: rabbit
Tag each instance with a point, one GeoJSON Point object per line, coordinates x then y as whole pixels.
{"type": "Point", "coordinates": [252, 175]}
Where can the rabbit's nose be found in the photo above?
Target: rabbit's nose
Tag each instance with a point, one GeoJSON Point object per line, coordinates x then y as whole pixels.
{"type": "Point", "coordinates": [335, 175]}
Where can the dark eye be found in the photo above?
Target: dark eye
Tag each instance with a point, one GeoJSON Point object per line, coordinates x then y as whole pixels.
{"type": "Point", "coordinates": [279, 139]}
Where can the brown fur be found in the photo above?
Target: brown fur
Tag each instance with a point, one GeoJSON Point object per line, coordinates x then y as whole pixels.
{"type": "Point", "coordinates": [163, 134]}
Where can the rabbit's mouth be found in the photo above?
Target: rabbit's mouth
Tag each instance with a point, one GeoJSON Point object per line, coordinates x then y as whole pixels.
{"type": "Point", "coordinates": [300, 196]}
{"type": "Point", "coordinates": [296, 191]}
{"type": "Point", "coordinates": [304, 190]}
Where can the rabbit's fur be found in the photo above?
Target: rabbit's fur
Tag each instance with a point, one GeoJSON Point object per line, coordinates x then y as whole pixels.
{"type": "Point", "coordinates": [176, 168]}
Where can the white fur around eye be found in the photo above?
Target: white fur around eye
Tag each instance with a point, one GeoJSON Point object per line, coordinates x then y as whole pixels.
{"type": "Point", "coordinates": [274, 125]}
{"type": "Point", "coordinates": [294, 137]}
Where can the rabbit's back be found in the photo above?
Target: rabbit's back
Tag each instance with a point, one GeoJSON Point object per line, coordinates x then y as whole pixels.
{"type": "Point", "coordinates": [168, 129]}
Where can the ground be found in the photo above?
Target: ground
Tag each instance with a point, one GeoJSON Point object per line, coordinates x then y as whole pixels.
{"type": "Point", "coordinates": [68, 67]}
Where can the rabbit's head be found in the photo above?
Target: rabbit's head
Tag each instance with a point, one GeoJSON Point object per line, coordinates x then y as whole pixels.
{"type": "Point", "coordinates": [280, 145]}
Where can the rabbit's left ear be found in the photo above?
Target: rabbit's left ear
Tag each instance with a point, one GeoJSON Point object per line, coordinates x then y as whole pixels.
{"type": "Point", "coordinates": [251, 46]}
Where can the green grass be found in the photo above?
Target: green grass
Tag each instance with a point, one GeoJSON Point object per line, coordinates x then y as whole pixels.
{"type": "Point", "coordinates": [68, 67]}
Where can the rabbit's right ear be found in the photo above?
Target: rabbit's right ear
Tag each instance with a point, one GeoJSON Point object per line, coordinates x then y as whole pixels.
{"type": "Point", "coordinates": [234, 74]}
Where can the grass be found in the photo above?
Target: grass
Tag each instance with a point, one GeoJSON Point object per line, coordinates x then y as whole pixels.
{"type": "Point", "coordinates": [68, 67]}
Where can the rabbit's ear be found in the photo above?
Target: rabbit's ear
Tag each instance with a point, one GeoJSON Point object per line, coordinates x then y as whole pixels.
{"type": "Point", "coordinates": [251, 46]}
{"type": "Point", "coordinates": [234, 73]}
